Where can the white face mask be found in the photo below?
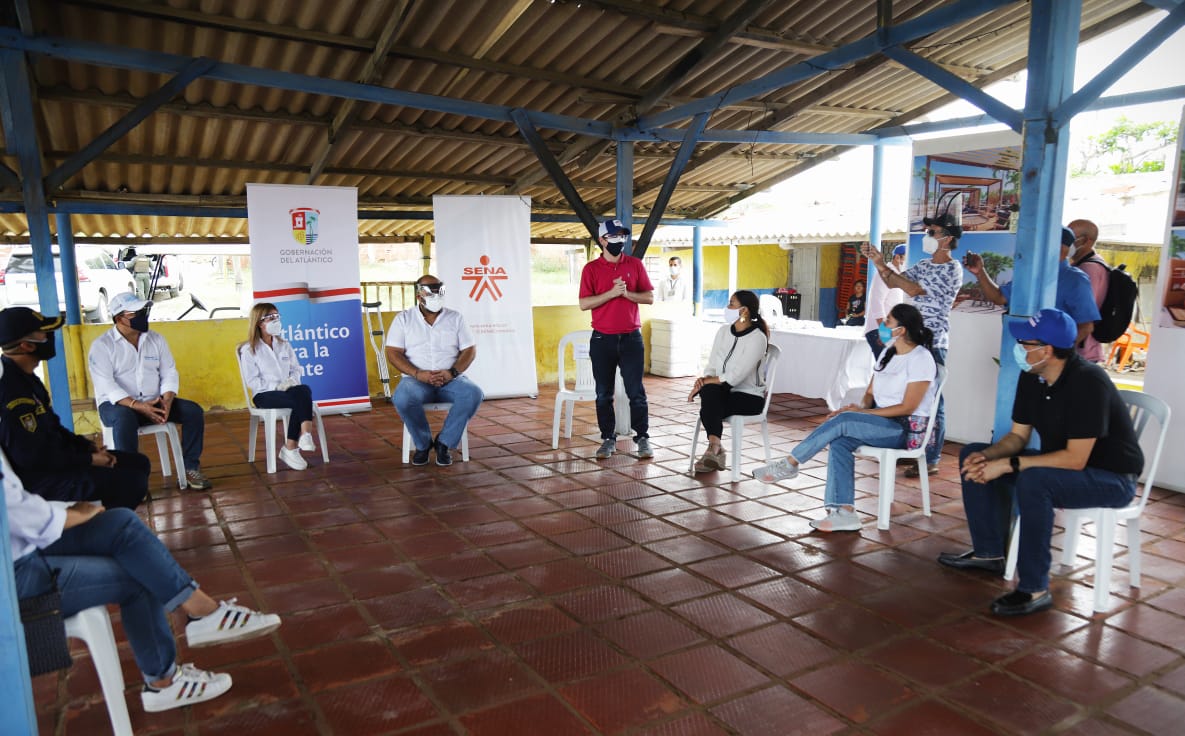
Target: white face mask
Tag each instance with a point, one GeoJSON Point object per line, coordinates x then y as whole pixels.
{"type": "Point", "coordinates": [273, 328]}
{"type": "Point", "coordinates": [929, 244]}
{"type": "Point", "coordinates": [434, 302]}
{"type": "Point", "coordinates": [731, 315]}
{"type": "Point", "coordinates": [674, 271]}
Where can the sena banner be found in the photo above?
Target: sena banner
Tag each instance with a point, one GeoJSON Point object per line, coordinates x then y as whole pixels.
{"type": "Point", "coordinates": [483, 254]}
{"type": "Point", "coordinates": [304, 259]}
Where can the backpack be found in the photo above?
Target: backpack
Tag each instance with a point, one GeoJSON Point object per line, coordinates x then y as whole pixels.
{"type": "Point", "coordinates": [1118, 305]}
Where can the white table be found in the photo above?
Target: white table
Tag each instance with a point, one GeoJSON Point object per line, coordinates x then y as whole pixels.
{"type": "Point", "coordinates": [822, 363]}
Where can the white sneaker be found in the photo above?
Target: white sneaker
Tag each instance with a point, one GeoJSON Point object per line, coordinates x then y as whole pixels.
{"type": "Point", "coordinates": [306, 443]}
{"type": "Point", "coordinates": [838, 520]}
{"type": "Point", "coordinates": [293, 459]}
{"type": "Point", "coordinates": [190, 685]}
{"type": "Point", "coordinates": [780, 469]}
{"type": "Point", "coordinates": [229, 623]}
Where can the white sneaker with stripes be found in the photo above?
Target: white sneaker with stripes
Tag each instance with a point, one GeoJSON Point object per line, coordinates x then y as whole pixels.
{"type": "Point", "coordinates": [190, 685]}
{"type": "Point", "coordinates": [229, 623]}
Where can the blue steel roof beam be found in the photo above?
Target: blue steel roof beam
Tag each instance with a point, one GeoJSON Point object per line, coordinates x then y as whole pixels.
{"type": "Point", "coordinates": [682, 157]}
{"type": "Point", "coordinates": [897, 35]}
{"type": "Point", "coordinates": [554, 170]}
{"type": "Point", "coordinates": [772, 137]}
{"type": "Point", "coordinates": [124, 125]}
{"type": "Point", "coordinates": [1123, 64]}
{"type": "Point", "coordinates": [105, 55]}
{"type": "Point", "coordinates": [955, 85]}
{"type": "Point", "coordinates": [974, 121]}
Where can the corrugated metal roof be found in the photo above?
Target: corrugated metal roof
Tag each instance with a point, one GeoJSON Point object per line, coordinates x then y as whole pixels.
{"type": "Point", "coordinates": [593, 58]}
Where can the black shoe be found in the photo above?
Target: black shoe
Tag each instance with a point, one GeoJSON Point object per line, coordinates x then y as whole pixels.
{"type": "Point", "coordinates": [968, 561]}
{"type": "Point", "coordinates": [443, 457]}
{"type": "Point", "coordinates": [419, 457]}
{"type": "Point", "coordinates": [1017, 603]}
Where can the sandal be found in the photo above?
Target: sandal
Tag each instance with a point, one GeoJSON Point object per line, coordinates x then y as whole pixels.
{"type": "Point", "coordinates": [912, 471]}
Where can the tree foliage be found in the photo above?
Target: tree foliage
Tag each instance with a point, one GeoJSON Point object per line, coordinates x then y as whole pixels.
{"type": "Point", "coordinates": [1128, 147]}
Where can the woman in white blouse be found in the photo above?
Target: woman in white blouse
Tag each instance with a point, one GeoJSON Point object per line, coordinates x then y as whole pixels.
{"type": "Point", "coordinates": [731, 384]}
{"type": "Point", "coordinates": [272, 372]}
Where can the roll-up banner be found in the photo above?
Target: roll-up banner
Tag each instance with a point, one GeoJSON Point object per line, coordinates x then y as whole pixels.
{"type": "Point", "coordinates": [483, 253]}
{"type": "Point", "coordinates": [304, 259]}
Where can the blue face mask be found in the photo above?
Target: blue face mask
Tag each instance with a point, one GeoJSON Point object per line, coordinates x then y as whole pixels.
{"type": "Point", "coordinates": [1021, 356]}
{"type": "Point", "coordinates": [885, 333]}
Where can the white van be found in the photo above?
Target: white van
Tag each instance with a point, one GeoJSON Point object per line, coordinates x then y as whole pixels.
{"type": "Point", "coordinates": [99, 279]}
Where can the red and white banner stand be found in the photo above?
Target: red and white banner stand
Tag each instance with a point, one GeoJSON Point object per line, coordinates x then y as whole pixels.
{"type": "Point", "coordinates": [483, 255]}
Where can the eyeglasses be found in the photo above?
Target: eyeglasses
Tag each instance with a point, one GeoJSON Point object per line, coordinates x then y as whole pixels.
{"type": "Point", "coordinates": [1031, 343]}
{"type": "Point", "coordinates": [143, 312]}
{"type": "Point", "coordinates": [271, 317]}
{"type": "Point", "coordinates": [427, 289]}
{"type": "Point", "coordinates": [933, 233]}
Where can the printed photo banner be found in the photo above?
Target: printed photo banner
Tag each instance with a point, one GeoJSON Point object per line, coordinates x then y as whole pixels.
{"type": "Point", "coordinates": [483, 254]}
{"type": "Point", "coordinates": [304, 258]}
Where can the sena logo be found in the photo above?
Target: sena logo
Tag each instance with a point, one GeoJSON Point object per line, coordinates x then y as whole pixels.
{"type": "Point", "coordinates": [485, 279]}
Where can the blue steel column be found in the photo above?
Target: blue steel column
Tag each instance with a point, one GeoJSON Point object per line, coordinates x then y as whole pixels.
{"type": "Point", "coordinates": [68, 258]}
{"type": "Point", "coordinates": [625, 188]}
{"type": "Point", "coordinates": [697, 269]}
{"type": "Point", "coordinates": [1053, 43]}
{"type": "Point", "coordinates": [874, 216]}
{"type": "Point", "coordinates": [17, 112]}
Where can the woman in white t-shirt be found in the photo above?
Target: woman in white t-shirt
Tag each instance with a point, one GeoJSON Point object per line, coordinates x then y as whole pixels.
{"type": "Point", "coordinates": [902, 386]}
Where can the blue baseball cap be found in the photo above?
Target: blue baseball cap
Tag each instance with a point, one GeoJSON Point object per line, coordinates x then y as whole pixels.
{"type": "Point", "coordinates": [899, 250]}
{"type": "Point", "coordinates": [1050, 326]}
{"type": "Point", "coordinates": [614, 230]}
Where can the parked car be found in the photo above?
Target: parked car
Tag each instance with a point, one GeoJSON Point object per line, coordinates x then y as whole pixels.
{"type": "Point", "coordinates": [99, 279]}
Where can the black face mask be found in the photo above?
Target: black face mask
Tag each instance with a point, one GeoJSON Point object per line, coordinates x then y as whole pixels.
{"type": "Point", "coordinates": [45, 350]}
{"type": "Point", "coordinates": [139, 321]}
{"type": "Point", "coordinates": [615, 249]}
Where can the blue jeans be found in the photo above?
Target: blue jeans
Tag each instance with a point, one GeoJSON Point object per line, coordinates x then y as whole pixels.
{"type": "Point", "coordinates": [842, 434]}
{"type": "Point", "coordinates": [115, 558]}
{"type": "Point", "coordinates": [298, 398]}
{"type": "Point", "coordinates": [411, 395]}
{"type": "Point", "coordinates": [608, 353]}
{"type": "Point", "coordinates": [124, 423]}
{"type": "Point", "coordinates": [934, 453]}
{"type": "Point", "coordinates": [1037, 491]}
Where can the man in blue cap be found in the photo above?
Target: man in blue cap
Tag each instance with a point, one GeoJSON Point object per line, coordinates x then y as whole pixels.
{"type": "Point", "coordinates": [612, 287]}
{"type": "Point", "coordinates": [881, 299]}
{"type": "Point", "coordinates": [1089, 457]}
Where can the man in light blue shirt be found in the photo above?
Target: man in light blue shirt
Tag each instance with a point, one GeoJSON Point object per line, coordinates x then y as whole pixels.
{"type": "Point", "coordinates": [1074, 295]}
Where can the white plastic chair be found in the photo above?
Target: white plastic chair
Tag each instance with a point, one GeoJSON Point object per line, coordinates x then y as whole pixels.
{"type": "Point", "coordinates": [737, 422]}
{"type": "Point", "coordinates": [93, 626]}
{"type": "Point", "coordinates": [167, 437]}
{"type": "Point", "coordinates": [1106, 520]}
{"type": "Point", "coordinates": [444, 406]}
{"type": "Point", "coordinates": [888, 457]}
{"type": "Point", "coordinates": [269, 417]}
{"type": "Point", "coordinates": [584, 388]}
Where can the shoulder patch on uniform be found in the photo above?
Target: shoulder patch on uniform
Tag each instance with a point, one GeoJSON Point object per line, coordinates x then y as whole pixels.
{"type": "Point", "coordinates": [29, 422]}
{"type": "Point", "coordinates": [20, 401]}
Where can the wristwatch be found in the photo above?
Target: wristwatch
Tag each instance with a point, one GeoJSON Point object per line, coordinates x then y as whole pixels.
{"type": "Point", "coordinates": [454, 371]}
{"type": "Point", "coordinates": [1014, 461]}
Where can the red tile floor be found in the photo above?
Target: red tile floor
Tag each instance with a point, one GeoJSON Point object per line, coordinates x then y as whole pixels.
{"type": "Point", "coordinates": [537, 591]}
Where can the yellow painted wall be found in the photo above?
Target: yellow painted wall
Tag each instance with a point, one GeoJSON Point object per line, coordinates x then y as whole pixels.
{"type": "Point", "coordinates": [829, 266]}
{"type": "Point", "coordinates": [758, 266]}
{"type": "Point", "coordinates": [204, 350]}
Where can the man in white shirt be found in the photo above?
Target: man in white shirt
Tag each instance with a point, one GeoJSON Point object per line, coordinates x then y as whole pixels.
{"type": "Point", "coordinates": [676, 287]}
{"type": "Point", "coordinates": [136, 384]}
{"type": "Point", "coordinates": [432, 346]}
{"type": "Point", "coordinates": [881, 299]}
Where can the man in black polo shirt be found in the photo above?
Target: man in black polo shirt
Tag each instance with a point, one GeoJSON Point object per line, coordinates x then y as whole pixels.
{"type": "Point", "coordinates": [1089, 457]}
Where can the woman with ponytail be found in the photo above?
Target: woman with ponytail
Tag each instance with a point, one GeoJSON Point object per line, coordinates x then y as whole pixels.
{"type": "Point", "coordinates": [900, 393]}
{"type": "Point", "coordinates": [730, 384]}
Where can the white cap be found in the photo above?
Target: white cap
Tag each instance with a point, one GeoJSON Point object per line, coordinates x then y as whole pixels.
{"type": "Point", "coordinates": [127, 302]}
{"type": "Point", "coordinates": [613, 230]}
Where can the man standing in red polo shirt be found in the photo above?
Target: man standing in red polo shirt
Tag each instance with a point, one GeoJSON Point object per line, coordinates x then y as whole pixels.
{"type": "Point", "coordinates": [613, 286]}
